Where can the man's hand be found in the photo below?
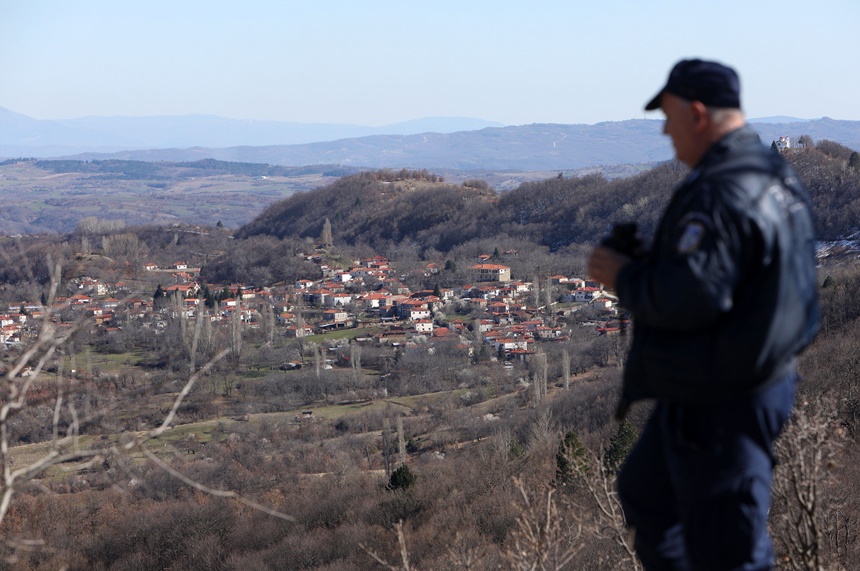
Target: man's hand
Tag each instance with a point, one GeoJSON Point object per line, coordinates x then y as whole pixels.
{"type": "Point", "coordinates": [604, 265]}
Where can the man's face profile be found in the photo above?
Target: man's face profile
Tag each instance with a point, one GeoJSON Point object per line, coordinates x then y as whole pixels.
{"type": "Point", "coordinates": [680, 126]}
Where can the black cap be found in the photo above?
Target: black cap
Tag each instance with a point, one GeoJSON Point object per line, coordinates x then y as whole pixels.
{"type": "Point", "coordinates": [712, 83]}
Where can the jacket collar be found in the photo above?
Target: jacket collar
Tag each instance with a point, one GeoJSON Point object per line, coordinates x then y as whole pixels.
{"type": "Point", "coordinates": [734, 141]}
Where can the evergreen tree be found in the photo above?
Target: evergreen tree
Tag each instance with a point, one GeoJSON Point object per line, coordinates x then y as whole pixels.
{"type": "Point", "coordinates": [516, 448]}
{"type": "Point", "coordinates": [402, 478]}
{"type": "Point", "coordinates": [159, 298]}
{"type": "Point", "coordinates": [571, 458]}
{"type": "Point", "coordinates": [619, 446]}
{"type": "Point", "coordinates": [208, 297]}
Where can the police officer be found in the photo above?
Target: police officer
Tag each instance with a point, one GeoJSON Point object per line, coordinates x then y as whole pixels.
{"type": "Point", "coordinates": [722, 304]}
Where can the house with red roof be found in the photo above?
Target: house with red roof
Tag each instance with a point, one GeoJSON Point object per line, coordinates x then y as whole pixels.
{"type": "Point", "coordinates": [303, 330]}
{"type": "Point", "coordinates": [491, 272]}
{"type": "Point", "coordinates": [584, 294]}
{"type": "Point", "coordinates": [423, 326]}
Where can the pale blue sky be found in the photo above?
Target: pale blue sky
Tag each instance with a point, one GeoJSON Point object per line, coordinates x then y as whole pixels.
{"type": "Point", "coordinates": [375, 62]}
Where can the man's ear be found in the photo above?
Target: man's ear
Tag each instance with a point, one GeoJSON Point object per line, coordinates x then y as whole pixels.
{"type": "Point", "coordinates": [701, 117]}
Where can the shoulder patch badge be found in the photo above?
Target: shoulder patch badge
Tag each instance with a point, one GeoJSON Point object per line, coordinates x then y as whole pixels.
{"type": "Point", "coordinates": [692, 236]}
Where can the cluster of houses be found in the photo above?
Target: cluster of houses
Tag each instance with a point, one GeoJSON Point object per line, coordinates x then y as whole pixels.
{"type": "Point", "coordinates": [13, 323]}
{"type": "Point", "coordinates": [493, 307]}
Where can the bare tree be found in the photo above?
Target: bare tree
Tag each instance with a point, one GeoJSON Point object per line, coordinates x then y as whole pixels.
{"type": "Point", "coordinates": [268, 322]}
{"type": "Point", "coordinates": [539, 376]}
{"type": "Point", "coordinates": [806, 451]}
{"type": "Point", "coordinates": [326, 237]}
{"type": "Point", "coordinates": [543, 540]}
{"type": "Point", "coordinates": [386, 447]}
{"type": "Point", "coordinates": [236, 327]}
{"type": "Point", "coordinates": [404, 553]}
{"type": "Point", "coordinates": [317, 359]}
{"type": "Point", "coordinates": [548, 293]}
{"type": "Point", "coordinates": [565, 369]}
{"type": "Point", "coordinates": [401, 441]}
{"type": "Point", "coordinates": [355, 362]}
{"type": "Point", "coordinates": [607, 515]}
{"type": "Point", "coordinates": [126, 248]}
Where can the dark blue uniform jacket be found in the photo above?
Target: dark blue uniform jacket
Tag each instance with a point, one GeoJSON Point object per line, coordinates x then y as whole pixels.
{"type": "Point", "coordinates": [727, 296]}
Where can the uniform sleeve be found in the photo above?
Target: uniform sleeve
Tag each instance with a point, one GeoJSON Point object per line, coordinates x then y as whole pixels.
{"type": "Point", "coordinates": [690, 281]}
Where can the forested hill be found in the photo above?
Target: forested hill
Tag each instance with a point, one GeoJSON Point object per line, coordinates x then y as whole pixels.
{"type": "Point", "coordinates": [388, 208]}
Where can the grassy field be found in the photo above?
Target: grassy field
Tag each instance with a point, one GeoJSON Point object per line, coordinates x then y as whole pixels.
{"type": "Point", "coordinates": [106, 362]}
{"type": "Point", "coordinates": [343, 334]}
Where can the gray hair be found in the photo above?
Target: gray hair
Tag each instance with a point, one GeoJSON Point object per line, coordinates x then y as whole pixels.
{"type": "Point", "coordinates": [720, 115]}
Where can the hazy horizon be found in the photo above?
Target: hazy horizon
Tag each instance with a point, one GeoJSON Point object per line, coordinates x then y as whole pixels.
{"type": "Point", "coordinates": [377, 63]}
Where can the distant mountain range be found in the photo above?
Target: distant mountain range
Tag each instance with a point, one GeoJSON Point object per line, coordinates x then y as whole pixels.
{"type": "Point", "coordinates": [432, 143]}
{"type": "Point", "coordinates": [20, 133]}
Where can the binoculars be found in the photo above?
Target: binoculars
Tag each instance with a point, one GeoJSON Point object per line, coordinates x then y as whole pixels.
{"type": "Point", "coordinates": [624, 239]}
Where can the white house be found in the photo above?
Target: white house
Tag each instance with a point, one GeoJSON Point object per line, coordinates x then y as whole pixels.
{"type": "Point", "coordinates": [491, 273]}
{"type": "Point", "coordinates": [375, 300]}
{"type": "Point", "coordinates": [419, 313]}
{"type": "Point", "coordinates": [335, 315]}
{"type": "Point", "coordinates": [586, 294]}
{"type": "Point", "coordinates": [413, 309]}
{"type": "Point", "coordinates": [340, 299]}
{"type": "Point", "coordinates": [343, 277]}
{"type": "Point", "coordinates": [300, 330]}
{"type": "Point", "coordinates": [510, 344]}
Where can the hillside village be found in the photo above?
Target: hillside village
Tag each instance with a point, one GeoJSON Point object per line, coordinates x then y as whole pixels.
{"type": "Point", "coordinates": [509, 315]}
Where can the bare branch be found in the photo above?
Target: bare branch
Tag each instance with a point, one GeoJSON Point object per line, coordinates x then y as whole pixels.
{"type": "Point", "coordinates": [404, 554]}
{"type": "Point", "coordinates": [184, 393]}
{"type": "Point", "coordinates": [540, 542]}
{"type": "Point", "coordinates": [805, 451]}
{"type": "Point", "coordinates": [600, 483]}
